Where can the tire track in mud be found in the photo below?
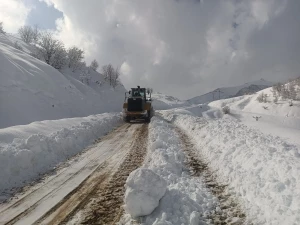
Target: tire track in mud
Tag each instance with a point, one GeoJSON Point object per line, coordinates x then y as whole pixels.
{"type": "Point", "coordinates": [99, 199]}
{"type": "Point", "coordinates": [228, 211]}
{"type": "Point", "coordinates": [25, 197]}
{"type": "Point", "coordinates": [89, 165]}
{"type": "Point", "coordinates": [106, 205]}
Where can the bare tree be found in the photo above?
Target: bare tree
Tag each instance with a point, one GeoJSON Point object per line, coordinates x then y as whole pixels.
{"type": "Point", "coordinates": [111, 75]}
{"type": "Point", "coordinates": [292, 90]}
{"type": "Point", "coordinates": [260, 97]}
{"type": "Point", "coordinates": [94, 65]}
{"type": "Point", "coordinates": [75, 57]}
{"type": "Point", "coordinates": [26, 33]}
{"type": "Point", "coordinates": [35, 33]}
{"type": "Point", "coordinates": [115, 80]}
{"type": "Point", "coordinates": [107, 71]}
{"type": "Point", "coordinates": [285, 92]}
{"type": "Point", "coordinates": [1, 28]}
{"type": "Point", "coordinates": [148, 90]}
{"type": "Point", "coordinates": [275, 100]}
{"type": "Point", "coordinates": [59, 58]}
{"type": "Point", "coordinates": [48, 47]}
{"type": "Point", "coordinates": [277, 87]}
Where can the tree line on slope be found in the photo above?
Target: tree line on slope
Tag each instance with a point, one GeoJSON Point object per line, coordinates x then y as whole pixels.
{"type": "Point", "coordinates": [53, 52]}
{"type": "Point", "coordinates": [289, 91]}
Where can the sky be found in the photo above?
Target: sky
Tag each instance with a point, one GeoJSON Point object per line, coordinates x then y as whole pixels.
{"type": "Point", "coordinates": [182, 48]}
{"type": "Point", "coordinates": [42, 14]}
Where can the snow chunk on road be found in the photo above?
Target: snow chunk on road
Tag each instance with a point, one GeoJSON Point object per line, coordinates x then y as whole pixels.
{"type": "Point", "coordinates": [186, 200]}
{"type": "Point", "coordinates": [144, 189]}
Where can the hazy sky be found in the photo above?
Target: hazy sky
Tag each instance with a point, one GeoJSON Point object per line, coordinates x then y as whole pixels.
{"type": "Point", "coordinates": [180, 47]}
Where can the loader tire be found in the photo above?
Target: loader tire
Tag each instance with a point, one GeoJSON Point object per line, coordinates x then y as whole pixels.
{"type": "Point", "coordinates": [126, 119]}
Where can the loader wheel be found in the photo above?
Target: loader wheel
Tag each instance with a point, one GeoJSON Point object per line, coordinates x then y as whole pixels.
{"type": "Point", "coordinates": [127, 119]}
{"type": "Point", "coordinates": [147, 120]}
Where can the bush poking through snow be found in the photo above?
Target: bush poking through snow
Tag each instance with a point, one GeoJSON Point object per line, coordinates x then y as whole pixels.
{"type": "Point", "coordinates": [144, 189]}
{"type": "Point", "coordinates": [226, 109]}
{"type": "Point", "coordinates": [256, 117]}
{"type": "Point", "coordinates": [17, 46]}
{"type": "Point", "coordinates": [289, 90]}
{"type": "Point", "coordinates": [262, 98]}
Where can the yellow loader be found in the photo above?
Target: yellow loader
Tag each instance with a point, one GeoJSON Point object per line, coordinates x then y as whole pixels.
{"type": "Point", "coordinates": [138, 105]}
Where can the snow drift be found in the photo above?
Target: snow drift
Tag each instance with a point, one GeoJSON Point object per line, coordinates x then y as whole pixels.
{"type": "Point", "coordinates": [25, 159]}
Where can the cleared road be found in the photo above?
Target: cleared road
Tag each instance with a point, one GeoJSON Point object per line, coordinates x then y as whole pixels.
{"type": "Point", "coordinates": [86, 186]}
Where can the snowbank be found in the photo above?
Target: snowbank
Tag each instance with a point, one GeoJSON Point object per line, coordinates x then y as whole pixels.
{"type": "Point", "coordinates": [24, 159]}
{"type": "Point", "coordinates": [262, 170]}
{"type": "Point", "coordinates": [186, 197]}
{"type": "Point", "coordinates": [144, 189]}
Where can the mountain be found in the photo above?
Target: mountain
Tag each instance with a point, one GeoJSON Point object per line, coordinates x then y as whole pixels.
{"type": "Point", "coordinates": [31, 90]}
{"type": "Point", "coordinates": [228, 92]}
{"type": "Point", "coordinates": [250, 90]}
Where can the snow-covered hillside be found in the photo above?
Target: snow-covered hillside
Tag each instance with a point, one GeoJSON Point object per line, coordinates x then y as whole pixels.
{"type": "Point", "coordinates": [278, 118]}
{"type": "Point", "coordinates": [228, 92]}
{"type": "Point", "coordinates": [31, 90]}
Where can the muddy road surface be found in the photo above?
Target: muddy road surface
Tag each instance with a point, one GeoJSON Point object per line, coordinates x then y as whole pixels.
{"type": "Point", "coordinates": [89, 189]}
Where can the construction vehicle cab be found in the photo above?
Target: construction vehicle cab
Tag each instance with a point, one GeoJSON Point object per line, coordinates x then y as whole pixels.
{"type": "Point", "coordinates": [137, 105]}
